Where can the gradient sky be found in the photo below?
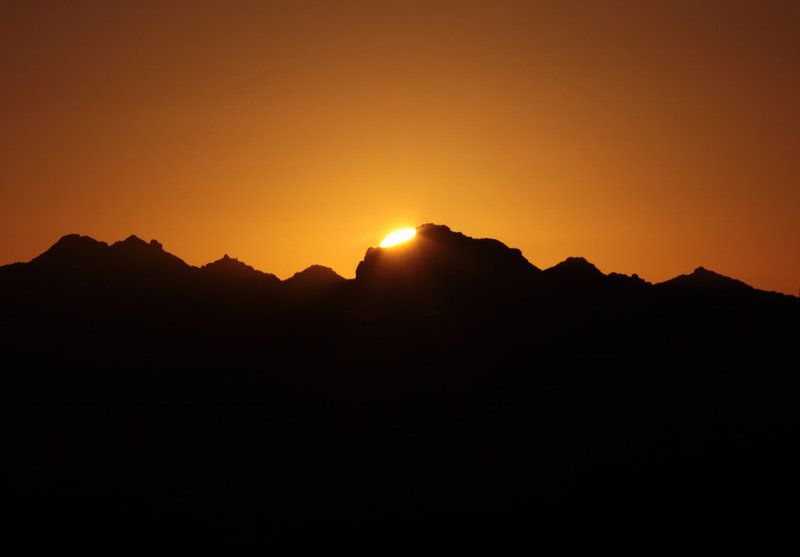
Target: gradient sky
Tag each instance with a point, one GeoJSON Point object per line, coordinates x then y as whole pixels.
{"type": "Point", "coordinates": [648, 137]}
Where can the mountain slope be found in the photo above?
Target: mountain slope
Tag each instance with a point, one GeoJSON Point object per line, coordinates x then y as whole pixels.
{"type": "Point", "coordinates": [703, 280]}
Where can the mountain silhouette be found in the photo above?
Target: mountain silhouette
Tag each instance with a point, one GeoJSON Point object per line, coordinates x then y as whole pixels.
{"type": "Point", "coordinates": [438, 255]}
{"type": "Point", "coordinates": [233, 271]}
{"type": "Point", "coordinates": [131, 259]}
{"type": "Point", "coordinates": [574, 272]}
{"type": "Point", "coordinates": [452, 382]}
{"type": "Point", "coordinates": [73, 252]}
{"type": "Point", "coordinates": [704, 280]}
{"type": "Point", "coordinates": [313, 280]}
{"type": "Point", "coordinates": [575, 267]}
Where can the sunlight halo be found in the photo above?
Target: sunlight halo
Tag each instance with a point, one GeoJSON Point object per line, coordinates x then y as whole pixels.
{"type": "Point", "coordinates": [398, 237]}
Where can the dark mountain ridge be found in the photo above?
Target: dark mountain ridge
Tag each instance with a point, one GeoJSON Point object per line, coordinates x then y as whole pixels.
{"type": "Point", "coordinates": [74, 255]}
{"type": "Point", "coordinates": [232, 271]}
{"type": "Point", "coordinates": [315, 275]}
{"type": "Point", "coordinates": [702, 279]}
{"type": "Point", "coordinates": [436, 254]}
{"type": "Point", "coordinates": [452, 381]}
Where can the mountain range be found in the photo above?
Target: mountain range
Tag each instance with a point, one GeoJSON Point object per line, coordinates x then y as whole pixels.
{"type": "Point", "coordinates": [450, 382]}
{"type": "Point", "coordinates": [436, 252]}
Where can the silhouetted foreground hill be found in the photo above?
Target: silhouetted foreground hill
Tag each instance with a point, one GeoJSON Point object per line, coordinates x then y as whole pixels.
{"type": "Point", "coordinates": [451, 382]}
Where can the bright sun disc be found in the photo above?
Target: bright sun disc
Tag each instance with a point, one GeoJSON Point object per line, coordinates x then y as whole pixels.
{"type": "Point", "coordinates": [398, 236]}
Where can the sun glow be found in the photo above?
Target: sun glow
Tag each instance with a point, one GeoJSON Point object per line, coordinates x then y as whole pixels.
{"type": "Point", "coordinates": [398, 237]}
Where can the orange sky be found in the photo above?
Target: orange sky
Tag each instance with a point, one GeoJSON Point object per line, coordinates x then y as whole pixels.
{"type": "Point", "coordinates": [648, 137]}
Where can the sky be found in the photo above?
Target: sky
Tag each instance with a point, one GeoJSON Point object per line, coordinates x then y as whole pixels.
{"type": "Point", "coordinates": [648, 137]}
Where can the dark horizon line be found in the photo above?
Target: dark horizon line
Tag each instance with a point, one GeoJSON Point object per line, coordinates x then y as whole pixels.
{"type": "Point", "coordinates": [159, 245]}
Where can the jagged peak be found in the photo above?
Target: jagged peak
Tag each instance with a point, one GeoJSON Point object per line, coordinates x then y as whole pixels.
{"type": "Point", "coordinates": [71, 249]}
{"type": "Point", "coordinates": [316, 273]}
{"type": "Point", "coordinates": [77, 239]}
{"type": "Point", "coordinates": [702, 272]}
{"type": "Point", "coordinates": [630, 279]}
{"type": "Point", "coordinates": [228, 262]}
{"type": "Point", "coordinates": [135, 245]}
{"type": "Point", "coordinates": [133, 248]}
{"type": "Point", "coordinates": [318, 270]}
{"type": "Point", "coordinates": [81, 254]}
{"type": "Point", "coordinates": [132, 239]}
{"type": "Point", "coordinates": [75, 236]}
{"type": "Point", "coordinates": [231, 266]}
{"type": "Point", "coordinates": [702, 278]}
{"type": "Point", "coordinates": [576, 264]}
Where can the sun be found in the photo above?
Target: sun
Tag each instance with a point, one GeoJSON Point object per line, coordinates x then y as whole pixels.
{"type": "Point", "coordinates": [398, 237]}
